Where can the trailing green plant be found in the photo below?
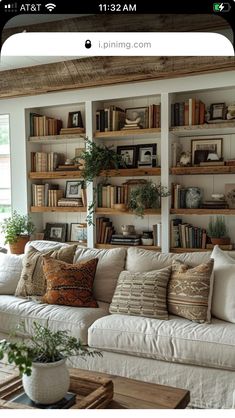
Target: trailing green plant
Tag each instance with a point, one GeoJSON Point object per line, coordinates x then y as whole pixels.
{"type": "Point", "coordinates": [44, 346]}
{"type": "Point", "coordinates": [97, 158]}
{"type": "Point", "coordinates": [15, 226]}
{"type": "Point", "coordinates": [217, 227]}
{"type": "Point", "coordinates": [147, 196]}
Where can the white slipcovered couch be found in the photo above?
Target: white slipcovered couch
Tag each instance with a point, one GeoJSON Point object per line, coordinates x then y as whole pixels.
{"type": "Point", "coordinates": [177, 352]}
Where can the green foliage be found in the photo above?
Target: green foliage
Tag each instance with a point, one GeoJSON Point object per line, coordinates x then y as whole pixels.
{"type": "Point", "coordinates": [97, 158]}
{"type": "Point", "coordinates": [217, 227]}
{"type": "Point", "coordinates": [147, 196]}
{"type": "Point", "coordinates": [17, 225]}
{"type": "Point", "coordinates": [45, 346]}
{"type": "Point", "coordinates": [4, 135]}
{"type": "Point", "coordinates": [5, 209]}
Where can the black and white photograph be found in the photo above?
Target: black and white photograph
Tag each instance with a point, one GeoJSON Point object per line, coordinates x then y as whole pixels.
{"type": "Point", "coordinates": [73, 189]}
{"type": "Point", "coordinates": [201, 148]}
{"type": "Point", "coordinates": [147, 155]}
{"type": "Point", "coordinates": [75, 120]}
{"type": "Point", "coordinates": [217, 111]}
{"type": "Point", "coordinates": [128, 154]}
{"type": "Point", "coordinates": [56, 232]}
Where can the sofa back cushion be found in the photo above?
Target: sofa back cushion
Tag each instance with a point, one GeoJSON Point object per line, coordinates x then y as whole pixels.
{"type": "Point", "coordinates": [145, 260]}
{"type": "Point", "coordinates": [111, 263]}
{"type": "Point", "coordinates": [10, 271]}
{"type": "Point", "coordinates": [142, 294]}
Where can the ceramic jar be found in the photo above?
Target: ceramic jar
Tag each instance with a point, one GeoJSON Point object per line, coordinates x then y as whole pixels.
{"type": "Point", "coordinates": [193, 197]}
{"type": "Point", "coordinates": [147, 238]}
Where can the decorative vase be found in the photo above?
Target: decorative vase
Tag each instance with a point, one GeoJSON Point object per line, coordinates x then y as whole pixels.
{"type": "Point", "coordinates": [147, 238]}
{"type": "Point", "coordinates": [48, 383]}
{"type": "Point", "coordinates": [193, 197]}
{"type": "Point", "coordinates": [18, 246]}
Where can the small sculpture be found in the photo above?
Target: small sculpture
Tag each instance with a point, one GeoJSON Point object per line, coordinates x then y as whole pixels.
{"type": "Point", "coordinates": [185, 158]}
{"type": "Point", "coordinates": [231, 112]}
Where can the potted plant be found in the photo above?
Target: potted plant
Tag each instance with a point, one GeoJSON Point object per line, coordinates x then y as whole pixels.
{"type": "Point", "coordinates": [217, 231]}
{"type": "Point", "coordinates": [17, 230]}
{"type": "Point", "coordinates": [41, 361]}
{"type": "Point", "coordinates": [147, 196]}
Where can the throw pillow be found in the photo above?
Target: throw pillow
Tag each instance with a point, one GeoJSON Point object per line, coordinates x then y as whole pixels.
{"type": "Point", "coordinates": [189, 291]}
{"type": "Point", "coordinates": [223, 300]}
{"type": "Point", "coordinates": [32, 281]}
{"type": "Point", "coordinates": [142, 294]}
{"type": "Point", "coordinates": [69, 284]}
{"type": "Point", "coordinates": [10, 271]}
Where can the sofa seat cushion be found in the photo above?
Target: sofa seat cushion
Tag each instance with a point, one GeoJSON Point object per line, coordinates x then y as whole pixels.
{"type": "Point", "coordinates": [14, 310]}
{"type": "Point", "coordinates": [176, 340]}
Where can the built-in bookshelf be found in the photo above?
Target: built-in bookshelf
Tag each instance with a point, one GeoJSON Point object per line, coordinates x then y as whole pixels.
{"type": "Point", "coordinates": [199, 92]}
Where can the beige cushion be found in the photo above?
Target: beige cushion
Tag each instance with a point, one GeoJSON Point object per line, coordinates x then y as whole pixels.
{"type": "Point", "coordinates": [14, 310]}
{"type": "Point", "coordinates": [176, 340]}
{"type": "Point", "coordinates": [189, 290]}
{"type": "Point", "coordinates": [32, 281]}
{"type": "Point", "coordinates": [145, 260]}
{"type": "Point", "coordinates": [142, 294]}
{"type": "Point", "coordinates": [10, 271]}
{"type": "Point", "coordinates": [111, 263]}
{"type": "Point", "coordinates": [223, 299]}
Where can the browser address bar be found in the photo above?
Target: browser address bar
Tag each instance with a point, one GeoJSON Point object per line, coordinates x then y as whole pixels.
{"type": "Point", "coordinates": [117, 44]}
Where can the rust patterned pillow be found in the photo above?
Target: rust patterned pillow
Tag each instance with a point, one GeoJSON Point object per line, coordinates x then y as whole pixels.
{"type": "Point", "coordinates": [69, 284]}
{"type": "Point", "coordinates": [189, 290]}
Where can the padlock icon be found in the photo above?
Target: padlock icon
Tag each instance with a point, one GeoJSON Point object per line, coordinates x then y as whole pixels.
{"type": "Point", "coordinates": [88, 44]}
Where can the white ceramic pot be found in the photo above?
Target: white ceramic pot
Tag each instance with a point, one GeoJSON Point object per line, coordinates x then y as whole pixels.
{"type": "Point", "coordinates": [48, 383]}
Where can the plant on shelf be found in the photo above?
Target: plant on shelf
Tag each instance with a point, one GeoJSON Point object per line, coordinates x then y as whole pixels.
{"type": "Point", "coordinates": [17, 230]}
{"type": "Point", "coordinates": [217, 231]}
{"type": "Point", "coordinates": [41, 359]}
{"type": "Point", "coordinates": [147, 196]}
{"type": "Point", "coordinates": [95, 159]}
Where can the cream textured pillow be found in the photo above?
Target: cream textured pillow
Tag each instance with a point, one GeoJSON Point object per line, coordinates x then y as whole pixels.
{"type": "Point", "coordinates": [32, 281]}
{"type": "Point", "coordinates": [142, 294]}
{"type": "Point", "coordinates": [223, 299]}
{"type": "Point", "coordinates": [189, 291]}
{"type": "Point", "coordinates": [10, 271]}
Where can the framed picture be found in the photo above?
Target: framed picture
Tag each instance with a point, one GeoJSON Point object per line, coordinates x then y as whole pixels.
{"type": "Point", "coordinates": [147, 155]}
{"type": "Point", "coordinates": [128, 154]}
{"type": "Point", "coordinates": [200, 149]}
{"type": "Point", "coordinates": [78, 232]}
{"type": "Point", "coordinates": [75, 120]}
{"type": "Point", "coordinates": [217, 111]}
{"type": "Point", "coordinates": [73, 189]}
{"type": "Point", "coordinates": [56, 232]}
{"type": "Point", "coordinates": [139, 115]}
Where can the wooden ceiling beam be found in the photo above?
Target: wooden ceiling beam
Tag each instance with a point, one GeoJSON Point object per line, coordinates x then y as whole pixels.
{"type": "Point", "coordinates": [126, 23]}
{"type": "Point", "coordinates": [101, 71]}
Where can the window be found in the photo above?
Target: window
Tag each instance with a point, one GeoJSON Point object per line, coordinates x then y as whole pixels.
{"type": "Point", "coordinates": [5, 175]}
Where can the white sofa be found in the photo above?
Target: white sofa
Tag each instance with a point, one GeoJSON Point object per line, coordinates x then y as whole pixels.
{"type": "Point", "coordinates": [177, 352]}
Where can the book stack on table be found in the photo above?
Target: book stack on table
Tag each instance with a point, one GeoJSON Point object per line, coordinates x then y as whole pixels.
{"type": "Point", "coordinates": [132, 239]}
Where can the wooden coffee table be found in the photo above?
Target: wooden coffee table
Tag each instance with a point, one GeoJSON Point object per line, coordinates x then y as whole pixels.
{"type": "Point", "coordinates": [127, 393]}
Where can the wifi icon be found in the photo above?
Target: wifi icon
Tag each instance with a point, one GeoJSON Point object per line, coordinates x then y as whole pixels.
{"type": "Point", "coordinates": [50, 6]}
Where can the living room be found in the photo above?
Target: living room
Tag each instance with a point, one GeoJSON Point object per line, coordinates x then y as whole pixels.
{"type": "Point", "coordinates": [117, 204]}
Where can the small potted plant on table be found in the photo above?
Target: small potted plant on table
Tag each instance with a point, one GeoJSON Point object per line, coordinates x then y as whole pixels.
{"type": "Point", "coordinates": [217, 231]}
{"type": "Point", "coordinates": [17, 230]}
{"type": "Point", "coordinates": [41, 360]}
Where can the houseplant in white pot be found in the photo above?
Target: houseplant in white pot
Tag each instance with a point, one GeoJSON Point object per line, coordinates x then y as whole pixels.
{"type": "Point", "coordinates": [17, 230]}
{"type": "Point", "coordinates": [41, 360]}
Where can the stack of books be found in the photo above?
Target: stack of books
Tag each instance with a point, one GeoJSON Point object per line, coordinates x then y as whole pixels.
{"type": "Point", "coordinates": [215, 204]}
{"type": "Point", "coordinates": [104, 230]}
{"type": "Point", "coordinates": [190, 112]}
{"type": "Point", "coordinates": [41, 125]}
{"type": "Point", "coordinates": [130, 126]}
{"type": "Point", "coordinates": [69, 131]}
{"type": "Point", "coordinates": [65, 202]}
{"type": "Point", "coordinates": [131, 240]}
{"type": "Point", "coordinates": [67, 167]}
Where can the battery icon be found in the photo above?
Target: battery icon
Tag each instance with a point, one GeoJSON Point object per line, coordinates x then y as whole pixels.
{"type": "Point", "coordinates": [221, 7]}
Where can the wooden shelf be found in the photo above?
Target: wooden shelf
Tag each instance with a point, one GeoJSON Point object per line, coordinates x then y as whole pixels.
{"type": "Point", "coordinates": [202, 211]}
{"type": "Point", "coordinates": [189, 250]}
{"type": "Point", "coordinates": [145, 247]}
{"type": "Point", "coordinates": [55, 175]}
{"type": "Point", "coordinates": [132, 172]}
{"type": "Point", "coordinates": [38, 209]}
{"type": "Point", "coordinates": [58, 139]}
{"type": "Point", "coordinates": [226, 127]}
{"type": "Point", "coordinates": [128, 133]}
{"type": "Point", "coordinates": [223, 169]}
{"type": "Point", "coordinates": [110, 211]}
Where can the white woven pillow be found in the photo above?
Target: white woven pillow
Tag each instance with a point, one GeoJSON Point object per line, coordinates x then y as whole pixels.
{"type": "Point", "coordinates": [10, 271]}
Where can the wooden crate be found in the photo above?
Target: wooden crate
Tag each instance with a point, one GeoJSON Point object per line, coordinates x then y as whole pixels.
{"type": "Point", "coordinates": [92, 392]}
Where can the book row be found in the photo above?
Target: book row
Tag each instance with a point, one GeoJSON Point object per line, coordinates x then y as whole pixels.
{"type": "Point", "coordinates": [190, 112]}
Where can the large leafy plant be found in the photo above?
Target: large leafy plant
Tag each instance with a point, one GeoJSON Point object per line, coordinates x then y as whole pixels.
{"type": "Point", "coordinates": [217, 227]}
{"type": "Point", "coordinates": [44, 346]}
{"type": "Point", "coordinates": [147, 196]}
{"type": "Point", "coordinates": [15, 226]}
